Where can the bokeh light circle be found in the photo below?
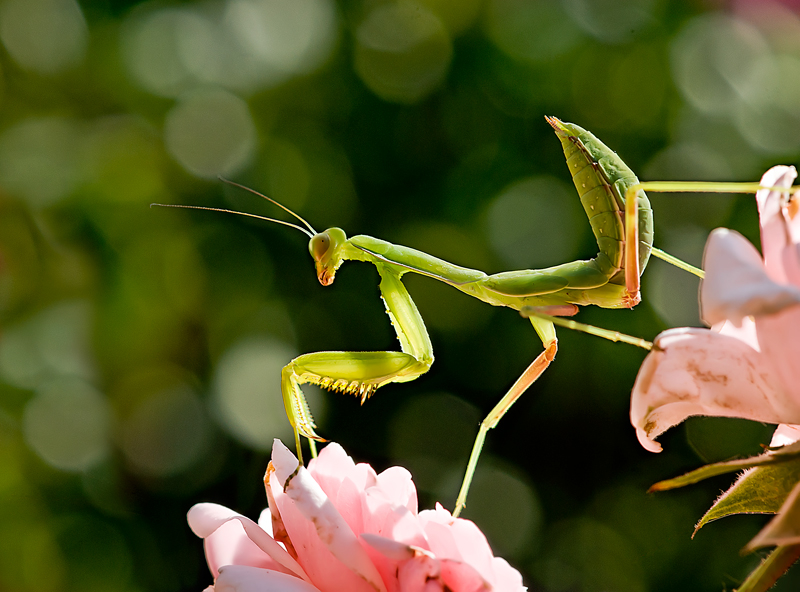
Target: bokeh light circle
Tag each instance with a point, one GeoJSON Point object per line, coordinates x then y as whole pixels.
{"type": "Point", "coordinates": [402, 52]}
{"type": "Point", "coordinates": [288, 36]}
{"type": "Point", "coordinates": [715, 61]}
{"type": "Point", "coordinates": [67, 423]}
{"type": "Point", "coordinates": [166, 433]}
{"type": "Point", "coordinates": [531, 30]}
{"type": "Point", "coordinates": [39, 159]}
{"type": "Point", "coordinates": [210, 132]}
{"type": "Point", "coordinates": [247, 392]}
{"type": "Point", "coordinates": [533, 222]}
{"type": "Point", "coordinates": [46, 36]}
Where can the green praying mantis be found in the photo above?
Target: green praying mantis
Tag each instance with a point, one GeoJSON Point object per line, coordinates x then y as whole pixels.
{"type": "Point", "coordinates": [622, 222]}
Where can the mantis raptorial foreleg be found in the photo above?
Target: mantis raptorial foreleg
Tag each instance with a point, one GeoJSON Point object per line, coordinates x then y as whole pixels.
{"type": "Point", "coordinates": [360, 373]}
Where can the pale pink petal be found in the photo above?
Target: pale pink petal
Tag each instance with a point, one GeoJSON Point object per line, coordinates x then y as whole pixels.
{"type": "Point", "coordinates": [265, 521]}
{"type": "Point", "coordinates": [791, 261]}
{"type": "Point", "coordinates": [414, 562]}
{"type": "Point", "coordinates": [333, 466]}
{"type": "Point", "coordinates": [774, 228]}
{"type": "Point", "coordinates": [397, 485]}
{"type": "Point", "coordinates": [284, 462]}
{"type": "Point", "coordinates": [420, 574]}
{"type": "Point", "coordinates": [745, 333]}
{"type": "Point", "coordinates": [349, 501]}
{"type": "Point", "coordinates": [457, 539]}
{"type": "Point", "coordinates": [241, 578]}
{"type": "Point", "coordinates": [209, 589]}
{"type": "Point", "coordinates": [331, 528]}
{"type": "Point", "coordinates": [736, 283]}
{"type": "Point", "coordinates": [440, 539]}
{"type": "Point", "coordinates": [473, 548]}
{"type": "Point", "coordinates": [307, 497]}
{"type": "Point", "coordinates": [699, 372]}
{"type": "Point", "coordinates": [206, 519]}
{"type": "Point", "coordinates": [320, 565]}
{"type": "Point", "coordinates": [506, 578]}
{"type": "Point", "coordinates": [389, 548]}
{"type": "Point", "coordinates": [457, 575]}
{"type": "Point", "coordinates": [396, 522]}
{"type": "Point", "coordinates": [784, 435]}
{"type": "Point", "coordinates": [779, 336]}
{"type": "Point", "coordinates": [230, 545]}
{"type": "Point", "coordinates": [343, 482]}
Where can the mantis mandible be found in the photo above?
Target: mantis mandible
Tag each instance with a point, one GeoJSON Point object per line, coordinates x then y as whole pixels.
{"type": "Point", "coordinates": [622, 222]}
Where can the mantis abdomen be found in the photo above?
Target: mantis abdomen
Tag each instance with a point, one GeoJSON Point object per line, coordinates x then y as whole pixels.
{"type": "Point", "coordinates": [602, 178]}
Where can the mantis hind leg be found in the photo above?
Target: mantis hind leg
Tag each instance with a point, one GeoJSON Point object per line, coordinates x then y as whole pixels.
{"type": "Point", "coordinates": [547, 333]}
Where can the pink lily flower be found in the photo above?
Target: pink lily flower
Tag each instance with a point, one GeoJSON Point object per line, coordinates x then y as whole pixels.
{"type": "Point", "coordinates": [748, 364]}
{"type": "Point", "coordinates": [339, 526]}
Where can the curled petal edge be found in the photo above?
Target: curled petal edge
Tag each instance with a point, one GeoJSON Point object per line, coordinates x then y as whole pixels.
{"type": "Point", "coordinates": [699, 372]}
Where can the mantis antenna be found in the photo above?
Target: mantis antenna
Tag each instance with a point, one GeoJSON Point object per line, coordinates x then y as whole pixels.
{"type": "Point", "coordinates": [310, 232]}
{"type": "Point", "coordinates": [269, 199]}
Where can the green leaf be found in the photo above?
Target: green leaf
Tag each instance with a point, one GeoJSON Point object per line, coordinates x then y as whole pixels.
{"type": "Point", "coordinates": [773, 567]}
{"type": "Point", "coordinates": [781, 455]}
{"type": "Point", "coordinates": [759, 490]}
{"type": "Point", "coordinates": [784, 529]}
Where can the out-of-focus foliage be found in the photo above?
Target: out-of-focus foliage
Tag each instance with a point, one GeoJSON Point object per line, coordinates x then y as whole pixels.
{"type": "Point", "coordinates": [141, 348]}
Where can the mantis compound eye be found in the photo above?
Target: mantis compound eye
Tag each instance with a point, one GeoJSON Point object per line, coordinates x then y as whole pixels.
{"type": "Point", "coordinates": [319, 245]}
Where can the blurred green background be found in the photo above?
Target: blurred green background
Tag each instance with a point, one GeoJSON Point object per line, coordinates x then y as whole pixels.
{"type": "Point", "coordinates": [141, 348]}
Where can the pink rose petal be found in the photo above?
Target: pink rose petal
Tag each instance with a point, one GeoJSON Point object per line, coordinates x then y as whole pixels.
{"type": "Point", "coordinates": [358, 532]}
{"type": "Point", "coordinates": [458, 575]}
{"type": "Point", "coordinates": [243, 578]}
{"type": "Point", "coordinates": [312, 553]}
{"type": "Point", "coordinates": [357, 571]}
{"type": "Point", "coordinates": [230, 545]}
{"type": "Point", "coordinates": [205, 519]}
{"type": "Point", "coordinates": [396, 483]}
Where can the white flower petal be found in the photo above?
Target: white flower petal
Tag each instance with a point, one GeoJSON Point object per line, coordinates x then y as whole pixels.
{"type": "Point", "coordinates": [784, 435]}
{"type": "Point", "coordinates": [775, 235]}
{"type": "Point", "coordinates": [736, 283]}
{"type": "Point", "coordinates": [699, 372]}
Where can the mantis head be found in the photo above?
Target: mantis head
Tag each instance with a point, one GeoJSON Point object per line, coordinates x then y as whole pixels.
{"type": "Point", "coordinates": [326, 249]}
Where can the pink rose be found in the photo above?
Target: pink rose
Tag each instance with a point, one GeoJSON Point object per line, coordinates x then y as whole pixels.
{"type": "Point", "coordinates": [748, 364]}
{"type": "Point", "coordinates": [339, 526]}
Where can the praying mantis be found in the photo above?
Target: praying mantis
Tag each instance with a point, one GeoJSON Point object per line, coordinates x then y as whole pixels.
{"type": "Point", "coordinates": [622, 222]}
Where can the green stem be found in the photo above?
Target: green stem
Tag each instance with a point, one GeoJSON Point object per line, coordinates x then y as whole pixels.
{"type": "Point", "coordinates": [773, 567]}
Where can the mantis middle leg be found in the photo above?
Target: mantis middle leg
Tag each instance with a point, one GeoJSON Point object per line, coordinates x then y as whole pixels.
{"type": "Point", "coordinates": [360, 373]}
